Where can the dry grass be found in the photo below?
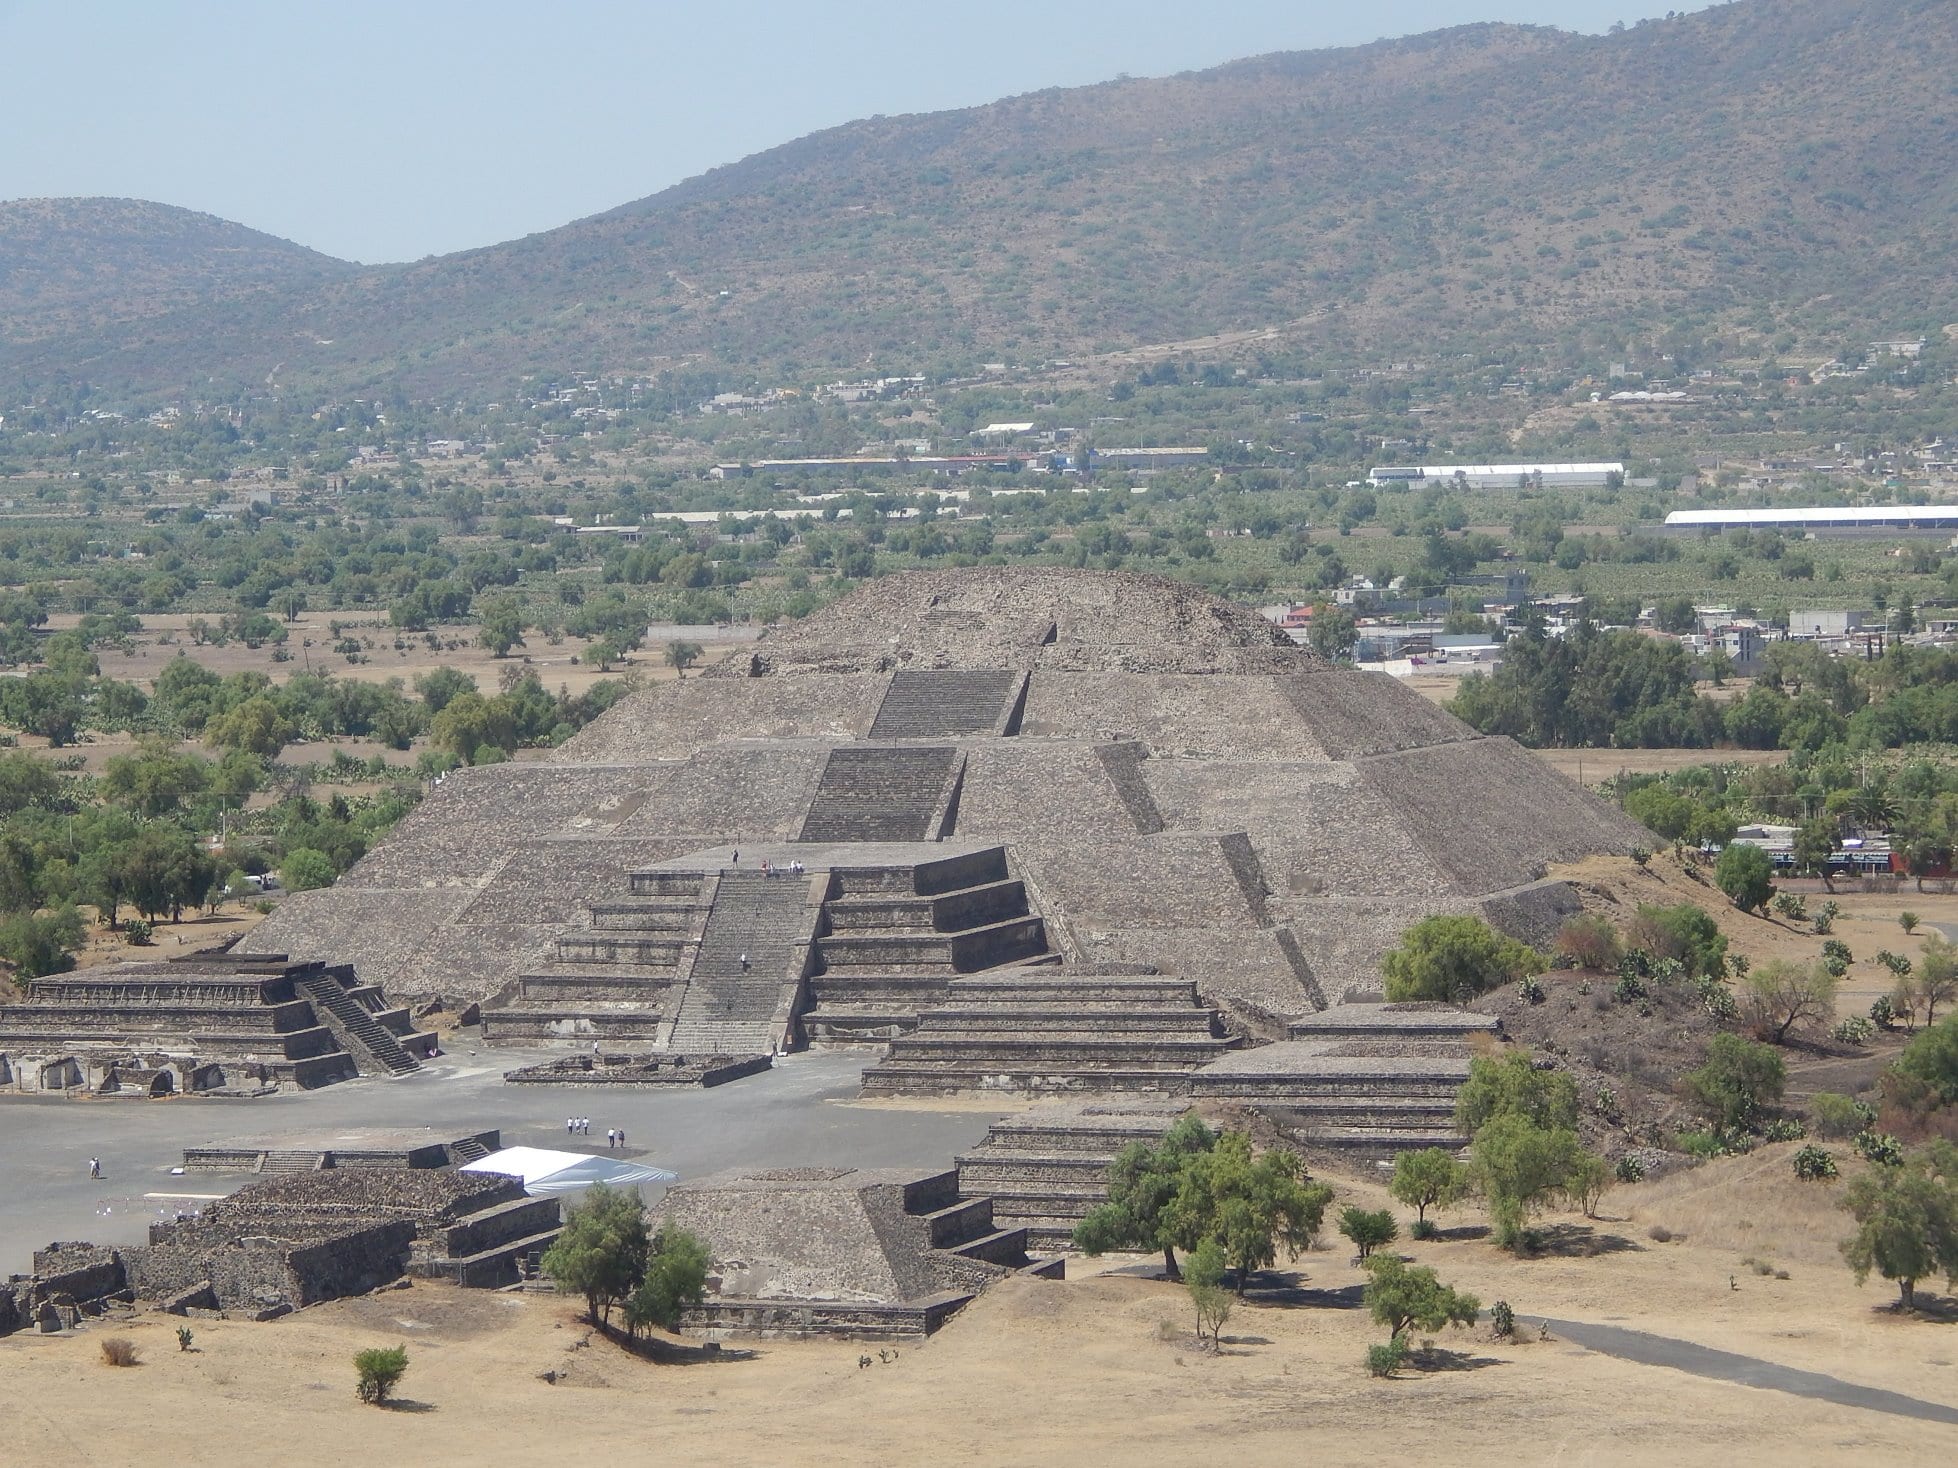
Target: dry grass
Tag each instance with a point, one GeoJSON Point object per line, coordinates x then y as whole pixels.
{"type": "Point", "coordinates": [119, 1351]}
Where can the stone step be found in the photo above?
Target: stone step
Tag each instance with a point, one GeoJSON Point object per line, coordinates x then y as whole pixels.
{"type": "Point", "coordinates": [891, 1078]}
{"type": "Point", "coordinates": [944, 912]}
{"type": "Point", "coordinates": [1397, 1112]}
{"type": "Point", "coordinates": [1147, 1052]}
{"type": "Point", "coordinates": [968, 1218]}
{"type": "Point", "coordinates": [871, 794]}
{"type": "Point", "coordinates": [982, 1172]}
{"type": "Point", "coordinates": [1002, 1246]}
{"type": "Point", "coordinates": [928, 703]}
{"type": "Point", "coordinates": [985, 946]}
{"type": "Point", "coordinates": [596, 947]}
{"type": "Point", "coordinates": [665, 884]}
{"type": "Point", "coordinates": [650, 915]}
{"type": "Point", "coordinates": [1104, 1021]}
{"type": "Point", "coordinates": [1060, 988]}
{"type": "Point", "coordinates": [1380, 1140]}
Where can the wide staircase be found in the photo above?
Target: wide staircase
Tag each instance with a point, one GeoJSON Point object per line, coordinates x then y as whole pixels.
{"type": "Point", "coordinates": [1044, 1169]}
{"type": "Point", "coordinates": [881, 794]}
{"type": "Point", "coordinates": [1365, 1080]}
{"type": "Point", "coordinates": [930, 703]}
{"type": "Point", "coordinates": [756, 936]}
{"type": "Point", "coordinates": [374, 1048]}
{"type": "Point", "coordinates": [895, 937]}
{"type": "Point", "coordinates": [615, 980]}
{"type": "Point", "coordinates": [287, 1163]}
{"type": "Point", "coordinates": [258, 1013]}
{"type": "Point", "coordinates": [1048, 1029]}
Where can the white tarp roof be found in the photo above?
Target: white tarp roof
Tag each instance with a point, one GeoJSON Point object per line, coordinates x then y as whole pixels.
{"type": "Point", "coordinates": [546, 1173]}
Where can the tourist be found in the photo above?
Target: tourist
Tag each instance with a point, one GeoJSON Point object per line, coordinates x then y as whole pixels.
{"type": "Point", "coordinates": [737, 858]}
{"type": "Point", "coordinates": [611, 1137]}
{"type": "Point", "coordinates": [95, 1167]}
{"type": "Point", "coordinates": [621, 1139]}
{"type": "Point", "coordinates": [744, 963]}
{"type": "Point", "coordinates": [570, 1125]}
{"type": "Point", "coordinates": [766, 869]}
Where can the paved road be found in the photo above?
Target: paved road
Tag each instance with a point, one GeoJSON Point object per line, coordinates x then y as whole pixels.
{"type": "Point", "coordinates": [1660, 1350]}
{"type": "Point", "coordinates": [793, 1115]}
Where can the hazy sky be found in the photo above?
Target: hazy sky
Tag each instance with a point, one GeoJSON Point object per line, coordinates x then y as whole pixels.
{"type": "Point", "coordinates": [387, 131]}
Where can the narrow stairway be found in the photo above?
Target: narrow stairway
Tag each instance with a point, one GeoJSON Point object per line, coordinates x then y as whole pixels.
{"type": "Point", "coordinates": [729, 1008]}
{"type": "Point", "coordinates": [374, 1050]}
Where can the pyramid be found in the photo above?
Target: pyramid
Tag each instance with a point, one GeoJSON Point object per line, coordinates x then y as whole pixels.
{"type": "Point", "coordinates": [991, 781]}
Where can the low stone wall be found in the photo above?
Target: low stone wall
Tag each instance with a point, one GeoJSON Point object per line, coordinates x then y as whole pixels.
{"type": "Point", "coordinates": [639, 1070]}
{"type": "Point", "coordinates": [299, 1265]}
{"type": "Point", "coordinates": [803, 1319]}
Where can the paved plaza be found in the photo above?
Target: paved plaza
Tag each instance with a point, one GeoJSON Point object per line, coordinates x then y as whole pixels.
{"type": "Point", "coordinates": [801, 1113]}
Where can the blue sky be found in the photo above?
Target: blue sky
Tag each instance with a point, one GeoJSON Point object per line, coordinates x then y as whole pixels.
{"type": "Point", "coordinates": [388, 131]}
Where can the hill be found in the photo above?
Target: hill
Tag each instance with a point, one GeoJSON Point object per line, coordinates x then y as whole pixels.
{"type": "Point", "coordinates": [74, 265]}
{"type": "Point", "coordinates": [1762, 167]}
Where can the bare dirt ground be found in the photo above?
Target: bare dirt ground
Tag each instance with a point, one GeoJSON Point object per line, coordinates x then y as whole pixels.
{"type": "Point", "coordinates": [1098, 1369]}
{"type": "Point", "coordinates": [1595, 766]}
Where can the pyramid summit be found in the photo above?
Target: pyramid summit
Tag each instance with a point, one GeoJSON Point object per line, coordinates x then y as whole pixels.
{"type": "Point", "coordinates": [993, 803]}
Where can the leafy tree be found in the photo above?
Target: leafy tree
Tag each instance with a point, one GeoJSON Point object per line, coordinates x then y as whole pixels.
{"type": "Point", "coordinates": [1815, 842]}
{"type": "Point", "coordinates": [254, 727]}
{"type": "Point", "coordinates": [1205, 1281]}
{"type": "Point", "coordinates": [1368, 1229]}
{"type": "Point", "coordinates": [1433, 1177]}
{"type": "Point", "coordinates": [1454, 957]}
{"type": "Point", "coordinates": [1745, 874]}
{"type": "Point", "coordinates": [1589, 1177]}
{"type": "Point", "coordinates": [1839, 1117]}
{"type": "Point", "coordinates": [602, 1251]}
{"type": "Point", "coordinates": [501, 626]}
{"type": "Point", "coordinates": [41, 943]}
{"type": "Point", "coordinates": [1933, 980]}
{"type": "Point", "coordinates": [1519, 1164]}
{"type": "Point", "coordinates": [1510, 1085]}
{"type": "Point", "coordinates": [1251, 1205]}
{"type": "Point", "coordinates": [1740, 1079]}
{"type": "Point", "coordinates": [1907, 1222]}
{"type": "Point", "coordinates": [1781, 996]}
{"type": "Point", "coordinates": [378, 1372]}
{"type": "Point", "coordinates": [1684, 931]}
{"type": "Point", "coordinates": [675, 1282]}
{"type": "Point", "coordinates": [469, 722]}
{"type": "Point", "coordinates": [156, 780]}
{"type": "Point", "coordinates": [1401, 1296]}
{"type": "Point", "coordinates": [1929, 1063]}
{"type": "Point", "coordinates": [441, 685]}
{"type": "Point", "coordinates": [1333, 632]}
{"type": "Point", "coordinates": [1143, 1183]}
{"type": "Point", "coordinates": [305, 869]}
{"type": "Point", "coordinates": [682, 655]}
{"type": "Point", "coordinates": [26, 783]}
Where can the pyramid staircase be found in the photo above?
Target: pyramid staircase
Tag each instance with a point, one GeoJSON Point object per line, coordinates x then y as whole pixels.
{"type": "Point", "coordinates": [933, 703]}
{"type": "Point", "coordinates": [347, 1013]}
{"type": "Point", "coordinates": [1048, 1029]}
{"type": "Point", "coordinates": [753, 947]}
{"type": "Point", "coordinates": [1043, 1169]}
{"type": "Point", "coordinates": [1367, 1080]}
{"type": "Point", "coordinates": [873, 793]}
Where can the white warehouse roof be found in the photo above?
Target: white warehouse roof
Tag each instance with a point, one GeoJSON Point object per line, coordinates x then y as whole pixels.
{"type": "Point", "coordinates": [1497, 471]}
{"type": "Point", "coordinates": [1930, 516]}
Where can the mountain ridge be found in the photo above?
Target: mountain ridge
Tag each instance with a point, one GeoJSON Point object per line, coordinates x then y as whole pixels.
{"type": "Point", "coordinates": [1766, 166]}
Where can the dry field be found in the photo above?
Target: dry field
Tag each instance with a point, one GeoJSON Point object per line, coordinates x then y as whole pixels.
{"type": "Point", "coordinates": [1595, 766]}
{"type": "Point", "coordinates": [1095, 1370]}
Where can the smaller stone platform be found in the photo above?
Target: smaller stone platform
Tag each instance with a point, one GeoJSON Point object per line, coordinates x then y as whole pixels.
{"type": "Point", "coordinates": [368, 1148]}
{"type": "Point", "coordinates": [652, 1069]}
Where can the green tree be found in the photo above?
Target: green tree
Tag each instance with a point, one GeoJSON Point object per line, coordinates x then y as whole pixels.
{"type": "Point", "coordinates": [156, 780]}
{"type": "Point", "coordinates": [1368, 1228]}
{"type": "Point", "coordinates": [304, 869]}
{"type": "Point", "coordinates": [469, 722]}
{"type": "Point", "coordinates": [1454, 957]}
{"type": "Point", "coordinates": [682, 655]}
{"type": "Point", "coordinates": [1511, 1085]}
{"type": "Point", "coordinates": [1745, 874]}
{"type": "Point", "coordinates": [1433, 1177]}
{"type": "Point", "coordinates": [1518, 1165]}
{"type": "Point", "coordinates": [26, 783]}
{"type": "Point", "coordinates": [1401, 1296]}
{"type": "Point", "coordinates": [602, 1251]}
{"type": "Point", "coordinates": [1205, 1281]}
{"type": "Point", "coordinates": [378, 1372]}
{"type": "Point", "coordinates": [1815, 842]}
{"type": "Point", "coordinates": [1251, 1204]}
{"type": "Point", "coordinates": [254, 727]}
{"type": "Point", "coordinates": [1906, 1222]}
{"type": "Point", "coordinates": [1143, 1183]}
{"type": "Point", "coordinates": [1740, 1079]}
{"type": "Point", "coordinates": [501, 626]}
{"type": "Point", "coordinates": [41, 943]}
{"type": "Point", "coordinates": [441, 685]}
{"type": "Point", "coordinates": [1333, 633]}
{"type": "Point", "coordinates": [1929, 1063]}
{"type": "Point", "coordinates": [1934, 978]}
{"type": "Point", "coordinates": [675, 1282]}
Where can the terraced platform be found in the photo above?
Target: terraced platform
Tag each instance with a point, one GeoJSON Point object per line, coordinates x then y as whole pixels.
{"type": "Point", "coordinates": [898, 793]}
{"type": "Point", "coordinates": [932, 703]}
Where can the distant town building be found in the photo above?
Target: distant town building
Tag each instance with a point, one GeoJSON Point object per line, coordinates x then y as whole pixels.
{"type": "Point", "coordinates": [1833, 520]}
{"type": "Point", "coordinates": [1501, 476]}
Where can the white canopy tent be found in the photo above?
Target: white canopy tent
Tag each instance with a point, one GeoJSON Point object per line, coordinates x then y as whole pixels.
{"type": "Point", "coordinates": [546, 1173]}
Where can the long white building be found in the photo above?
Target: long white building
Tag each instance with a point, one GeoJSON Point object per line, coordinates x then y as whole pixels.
{"type": "Point", "coordinates": [1499, 476]}
{"type": "Point", "coordinates": [1871, 520]}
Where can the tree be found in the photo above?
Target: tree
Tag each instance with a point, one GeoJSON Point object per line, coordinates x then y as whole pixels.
{"type": "Point", "coordinates": [1518, 1165]}
{"type": "Point", "coordinates": [1399, 1296]}
{"type": "Point", "coordinates": [1143, 1183]}
{"type": "Point", "coordinates": [379, 1371]}
{"type": "Point", "coordinates": [1368, 1229]}
{"type": "Point", "coordinates": [1511, 1085]}
{"type": "Point", "coordinates": [1781, 996]}
{"type": "Point", "coordinates": [1431, 1178]}
{"type": "Point", "coordinates": [682, 655]}
{"type": "Point", "coordinates": [1934, 980]}
{"type": "Point", "coordinates": [1930, 1063]}
{"type": "Point", "coordinates": [304, 869]}
{"type": "Point", "coordinates": [501, 626]}
{"type": "Point", "coordinates": [469, 722]}
{"type": "Point", "coordinates": [41, 943]}
{"type": "Point", "coordinates": [26, 783]}
{"type": "Point", "coordinates": [675, 1282]}
{"type": "Point", "coordinates": [437, 688]}
{"type": "Point", "coordinates": [1907, 1222]}
{"type": "Point", "coordinates": [602, 1251]}
{"type": "Point", "coordinates": [156, 780]}
{"type": "Point", "coordinates": [1745, 874]}
{"type": "Point", "coordinates": [1333, 632]}
{"type": "Point", "coordinates": [1815, 843]}
{"type": "Point", "coordinates": [1589, 1178]}
{"type": "Point", "coordinates": [1251, 1205]}
{"type": "Point", "coordinates": [1740, 1079]}
{"type": "Point", "coordinates": [255, 727]}
{"type": "Point", "coordinates": [1454, 957]}
{"type": "Point", "coordinates": [1205, 1281]}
